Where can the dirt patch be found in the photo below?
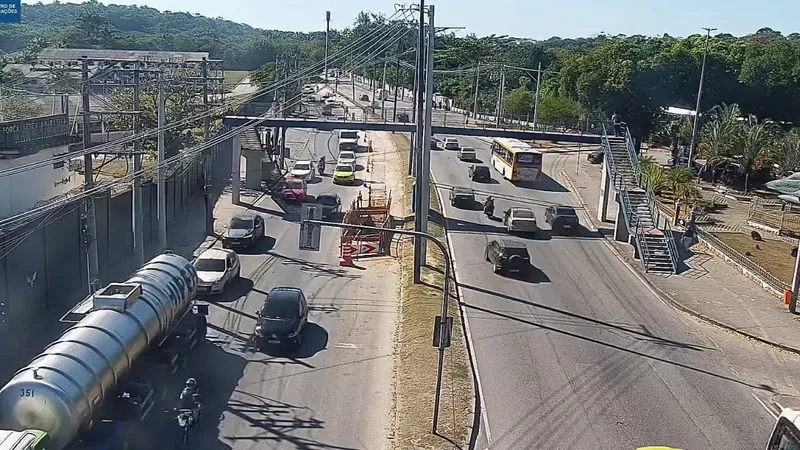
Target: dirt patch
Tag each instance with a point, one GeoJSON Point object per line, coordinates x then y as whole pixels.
{"type": "Point", "coordinates": [773, 255]}
{"type": "Point", "coordinates": [416, 359]}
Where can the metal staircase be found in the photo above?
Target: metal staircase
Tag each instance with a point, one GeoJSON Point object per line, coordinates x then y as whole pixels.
{"type": "Point", "coordinates": [656, 248]}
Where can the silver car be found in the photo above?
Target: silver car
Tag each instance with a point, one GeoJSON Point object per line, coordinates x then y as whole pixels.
{"type": "Point", "coordinates": [520, 220]}
{"type": "Point", "coordinates": [216, 268]}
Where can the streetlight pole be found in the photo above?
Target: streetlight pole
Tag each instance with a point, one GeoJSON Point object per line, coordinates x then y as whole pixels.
{"type": "Point", "coordinates": [327, 30]}
{"type": "Point", "coordinates": [699, 94]}
{"type": "Point", "coordinates": [536, 102]}
{"type": "Point", "coordinates": [475, 101]}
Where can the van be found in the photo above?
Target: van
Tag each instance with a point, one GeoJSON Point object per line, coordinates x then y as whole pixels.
{"type": "Point", "coordinates": [348, 140]}
{"type": "Point", "coordinates": [467, 154]}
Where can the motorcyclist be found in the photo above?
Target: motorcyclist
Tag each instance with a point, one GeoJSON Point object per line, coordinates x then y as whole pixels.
{"type": "Point", "coordinates": [190, 390]}
{"type": "Point", "coordinates": [488, 206]}
{"type": "Point", "coordinates": [321, 165]}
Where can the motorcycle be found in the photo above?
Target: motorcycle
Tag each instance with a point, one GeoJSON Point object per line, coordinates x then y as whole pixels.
{"type": "Point", "coordinates": [321, 166]}
{"type": "Point", "coordinates": [488, 209]}
{"type": "Point", "coordinates": [187, 419]}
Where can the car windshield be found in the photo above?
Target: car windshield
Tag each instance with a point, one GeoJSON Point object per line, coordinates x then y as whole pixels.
{"type": "Point", "coordinates": [347, 155]}
{"type": "Point", "coordinates": [326, 200]}
{"type": "Point", "coordinates": [349, 135]}
{"type": "Point", "coordinates": [344, 168]}
{"type": "Point", "coordinates": [209, 265]}
{"type": "Point", "coordinates": [565, 212]}
{"type": "Point", "coordinates": [281, 306]}
{"type": "Point", "coordinates": [294, 184]}
{"type": "Point", "coordinates": [302, 166]}
{"type": "Point", "coordinates": [241, 223]}
{"type": "Point", "coordinates": [522, 214]}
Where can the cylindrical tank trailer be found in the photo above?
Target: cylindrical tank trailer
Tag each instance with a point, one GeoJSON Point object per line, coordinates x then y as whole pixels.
{"type": "Point", "coordinates": [61, 389]}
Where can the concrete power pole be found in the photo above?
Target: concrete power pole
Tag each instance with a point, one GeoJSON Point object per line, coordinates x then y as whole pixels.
{"type": "Point", "coordinates": [699, 95]}
{"type": "Point", "coordinates": [500, 95]}
{"type": "Point", "coordinates": [412, 160]}
{"type": "Point", "coordinates": [383, 92]}
{"type": "Point", "coordinates": [327, 31]}
{"type": "Point", "coordinates": [425, 171]}
{"type": "Point", "coordinates": [162, 194]}
{"type": "Point", "coordinates": [477, 83]}
{"type": "Point", "coordinates": [420, 131]}
{"type": "Point", "coordinates": [536, 101]}
{"type": "Point", "coordinates": [138, 214]}
{"type": "Point", "coordinates": [207, 156]}
{"type": "Point", "coordinates": [396, 84]}
{"type": "Point", "coordinates": [90, 222]}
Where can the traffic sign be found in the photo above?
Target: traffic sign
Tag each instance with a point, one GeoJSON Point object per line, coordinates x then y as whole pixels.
{"type": "Point", "coordinates": [310, 232]}
{"type": "Point", "coordinates": [10, 11]}
{"type": "Point", "coordinates": [363, 248]}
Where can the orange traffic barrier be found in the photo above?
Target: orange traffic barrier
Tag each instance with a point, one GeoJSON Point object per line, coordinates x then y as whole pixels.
{"type": "Point", "coordinates": [787, 296]}
{"type": "Point", "coordinates": [346, 259]}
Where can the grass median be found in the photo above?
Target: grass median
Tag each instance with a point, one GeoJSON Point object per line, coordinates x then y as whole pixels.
{"type": "Point", "coordinates": [415, 357]}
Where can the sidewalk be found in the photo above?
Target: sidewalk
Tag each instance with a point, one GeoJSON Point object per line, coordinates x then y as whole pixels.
{"type": "Point", "coordinates": [708, 287]}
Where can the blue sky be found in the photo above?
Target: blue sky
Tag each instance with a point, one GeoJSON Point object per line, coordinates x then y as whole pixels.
{"type": "Point", "coordinates": [539, 19]}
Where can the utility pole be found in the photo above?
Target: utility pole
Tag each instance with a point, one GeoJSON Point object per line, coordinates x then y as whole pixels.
{"type": "Point", "coordinates": [425, 171]}
{"type": "Point", "coordinates": [412, 160]}
{"type": "Point", "coordinates": [327, 30]}
{"type": "Point", "coordinates": [90, 225]}
{"type": "Point", "coordinates": [477, 83]}
{"type": "Point", "coordinates": [500, 95]}
{"type": "Point", "coordinates": [207, 156]}
{"type": "Point", "coordinates": [700, 94]}
{"type": "Point", "coordinates": [420, 131]}
{"type": "Point", "coordinates": [383, 92]}
{"type": "Point", "coordinates": [138, 214]}
{"type": "Point", "coordinates": [396, 84]}
{"type": "Point", "coordinates": [162, 194]}
{"type": "Point", "coordinates": [536, 101]}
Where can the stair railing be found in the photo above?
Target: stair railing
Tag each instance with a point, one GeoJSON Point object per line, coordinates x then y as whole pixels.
{"type": "Point", "coordinates": [621, 186]}
{"type": "Point", "coordinates": [655, 209]}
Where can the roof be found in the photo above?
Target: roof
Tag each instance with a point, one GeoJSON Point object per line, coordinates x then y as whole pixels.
{"type": "Point", "coordinates": [59, 54]}
{"type": "Point", "coordinates": [283, 293]}
{"type": "Point", "coordinates": [245, 215]}
{"type": "Point", "coordinates": [511, 243]}
{"type": "Point", "coordinates": [515, 145]}
{"type": "Point", "coordinates": [463, 190]}
{"type": "Point", "coordinates": [215, 253]}
{"type": "Point", "coordinates": [328, 194]}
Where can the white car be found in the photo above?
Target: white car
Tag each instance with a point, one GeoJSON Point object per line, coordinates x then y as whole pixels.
{"type": "Point", "coordinates": [451, 144]}
{"type": "Point", "coordinates": [520, 220]}
{"type": "Point", "coordinates": [467, 154]}
{"type": "Point", "coordinates": [303, 170]}
{"type": "Point", "coordinates": [217, 269]}
{"type": "Point", "coordinates": [347, 157]}
{"type": "Point", "coordinates": [331, 101]}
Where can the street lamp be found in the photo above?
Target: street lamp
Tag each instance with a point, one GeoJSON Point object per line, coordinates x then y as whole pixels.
{"type": "Point", "coordinates": [699, 94]}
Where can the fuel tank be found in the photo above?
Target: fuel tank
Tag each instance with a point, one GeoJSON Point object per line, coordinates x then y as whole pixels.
{"type": "Point", "coordinates": [62, 388]}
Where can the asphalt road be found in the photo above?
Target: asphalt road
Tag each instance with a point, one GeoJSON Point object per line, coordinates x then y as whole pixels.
{"type": "Point", "coordinates": [582, 354]}
{"type": "Point", "coordinates": [332, 393]}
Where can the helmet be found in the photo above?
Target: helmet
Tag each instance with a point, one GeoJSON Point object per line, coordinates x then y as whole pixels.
{"type": "Point", "coordinates": [490, 198]}
{"type": "Point", "coordinates": [196, 397]}
{"type": "Point", "coordinates": [191, 383]}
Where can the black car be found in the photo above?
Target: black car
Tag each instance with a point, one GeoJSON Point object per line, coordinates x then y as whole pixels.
{"type": "Point", "coordinates": [244, 231]}
{"type": "Point", "coordinates": [508, 256]}
{"type": "Point", "coordinates": [462, 197]}
{"type": "Point", "coordinates": [331, 204]}
{"type": "Point", "coordinates": [480, 174]}
{"type": "Point", "coordinates": [595, 157]}
{"type": "Point", "coordinates": [282, 318]}
{"type": "Point", "coordinates": [562, 218]}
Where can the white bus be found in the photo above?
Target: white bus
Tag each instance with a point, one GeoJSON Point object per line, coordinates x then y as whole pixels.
{"type": "Point", "coordinates": [516, 160]}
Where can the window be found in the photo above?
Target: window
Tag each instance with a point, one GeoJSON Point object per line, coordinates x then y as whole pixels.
{"type": "Point", "coordinates": [565, 211]}
{"type": "Point", "coordinates": [349, 135]}
{"type": "Point", "coordinates": [529, 158]}
{"type": "Point", "coordinates": [521, 251]}
{"type": "Point", "coordinates": [241, 223]}
{"type": "Point", "coordinates": [327, 200]}
{"type": "Point", "coordinates": [281, 305]}
{"type": "Point", "coordinates": [294, 184]}
{"type": "Point", "coordinates": [302, 166]}
{"type": "Point", "coordinates": [58, 165]}
{"type": "Point", "coordinates": [210, 265]}
{"type": "Point", "coordinates": [344, 168]}
{"type": "Point", "coordinates": [522, 214]}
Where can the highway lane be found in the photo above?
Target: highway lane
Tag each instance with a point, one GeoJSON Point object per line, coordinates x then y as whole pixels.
{"type": "Point", "coordinates": [334, 392]}
{"type": "Point", "coordinates": [583, 355]}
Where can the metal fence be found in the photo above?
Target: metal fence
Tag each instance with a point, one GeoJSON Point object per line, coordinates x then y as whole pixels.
{"type": "Point", "coordinates": [774, 214]}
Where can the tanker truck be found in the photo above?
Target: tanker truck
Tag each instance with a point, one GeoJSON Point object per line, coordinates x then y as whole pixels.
{"type": "Point", "coordinates": [93, 374]}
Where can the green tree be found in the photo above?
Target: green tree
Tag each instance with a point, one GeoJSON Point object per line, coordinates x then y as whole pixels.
{"type": "Point", "coordinates": [750, 141]}
{"type": "Point", "coordinates": [62, 81]}
{"type": "Point", "coordinates": [518, 102]}
{"type": "Point", "coordinates": [786, 151]}
{"type": "Point", "coordinates": [265, 74]}
{"type": "Point", "coordinates": [17, 106]}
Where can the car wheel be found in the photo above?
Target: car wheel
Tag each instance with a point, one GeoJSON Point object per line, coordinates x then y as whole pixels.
{"type": "Point", "coordinates": [298, 342]}
{"type": "Point", "coordinates": [225, 245]}
{"type": "Point", "coordinates": [497, 268]}
{"type": "Point", "coordinates": [238, 274]}
{"type": "Point", "coordinates": [486, 254]}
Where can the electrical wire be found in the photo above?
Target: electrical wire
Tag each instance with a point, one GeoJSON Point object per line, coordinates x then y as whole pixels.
{"type": "Point", "coordinates": [346, 51]}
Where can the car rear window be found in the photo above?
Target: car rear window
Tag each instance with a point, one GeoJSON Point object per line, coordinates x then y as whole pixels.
{"type": "Point", "coordinates": [565, 212]}
{"type": "Point", "coordinates": [462, 191]}
{"type": "Point", "coordinates": [523, 214]}
{"type": "Point", "coordinates": [521, 251]}
{"type": "Point", "coordinates": [482, 169]}
{"type": "Point", "coordinates": [326, 200]}
{"type": "Point", "coordinates": [344, 168]}
{"type": "Point", "coordinates": [348, 135]}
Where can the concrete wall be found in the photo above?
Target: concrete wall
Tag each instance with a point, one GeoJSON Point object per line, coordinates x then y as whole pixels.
{"type": "Point", "coordinates": [43, 265]}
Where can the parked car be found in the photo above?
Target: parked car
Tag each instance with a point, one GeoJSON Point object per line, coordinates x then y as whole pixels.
{"type": "Point", "coordinates": [244, 231]}
{"type": "Point", "coordinates": [562, 218]}
{"type": "Point", "coordinates": [595, 157]}
{"type": "Point", "coordinates": [480, 174]}
{"type": "Point", "coordinates": [344, 174]}
{"type": "Point", "coordinates": [303, 170]}
{"type": "Point", "coordinates": [467, 154]}
{"type": "Point", "coordinates": [331, 204]}
{"type": "Point", "coordinates": [451, 144]}
{"type": "Point", "coordinates": [520, 220]}
{"type": "Point", "coordinates": [508, 256]}
{"type": "Point", "coordinates": [216, 269]}
{"type": "Point", "coordinates": [347, 157]}
{"type": "Point", "coordinates": [282, 318]}
{"type": "Point", "coordinates": [294, 190]}
{"type": "Point", "coordinates": [462, 197]}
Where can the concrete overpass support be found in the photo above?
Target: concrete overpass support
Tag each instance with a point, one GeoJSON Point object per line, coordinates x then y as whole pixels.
{"type": "Point", "coordinates": [605, 189]}
{"type": "Point", "coordinates": [252, 177]}
{"type": "Point", "coordinates": [236, 176]}
{"type": "Point", "coordinates": [620, 230]}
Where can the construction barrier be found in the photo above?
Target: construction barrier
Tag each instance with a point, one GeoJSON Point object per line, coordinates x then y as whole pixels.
{"type": "Point", "coordinates": [374, 212]}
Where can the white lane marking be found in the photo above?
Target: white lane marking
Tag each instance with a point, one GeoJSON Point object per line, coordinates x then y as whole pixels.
{"type": "Point", "coordinates": [765, 406]}
{"type": "Point", "coordinates": [467, 332]}
{"type": "Point", "coordinates": [346, 345]}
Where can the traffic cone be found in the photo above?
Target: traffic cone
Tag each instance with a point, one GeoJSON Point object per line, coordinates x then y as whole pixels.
{"type": "Point", "coordinates": [346, 260]}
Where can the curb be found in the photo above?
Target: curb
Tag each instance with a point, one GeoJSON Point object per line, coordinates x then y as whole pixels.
{"type": "Point", "coordinates": [664, 297]}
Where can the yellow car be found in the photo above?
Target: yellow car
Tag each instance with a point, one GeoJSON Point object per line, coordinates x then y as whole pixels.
{"type": "Point", "coordinates": [344, 174]}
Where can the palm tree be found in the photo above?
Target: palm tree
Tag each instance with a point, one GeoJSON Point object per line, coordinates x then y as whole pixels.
{"type": "Point", "coordinates": [751, 141]}
{"type": "Point", "coordinates": [716, 142]}
{"type": "Point", "coordinates": [786, 151]}
{"type": "Point", "coordinates": [680, 181]}
{"type": "Point", "coordinates": [653, 177]}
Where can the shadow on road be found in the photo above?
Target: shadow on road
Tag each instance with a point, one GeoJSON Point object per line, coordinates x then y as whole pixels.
{"type": "Point", "coordinates": [238, 289]}
{"type": "Point", "coordinates": [315, 269]}
{"type": "Point", "coordinates": [315, 340]}
{"type": "Point", "coordinates": [545, 183]}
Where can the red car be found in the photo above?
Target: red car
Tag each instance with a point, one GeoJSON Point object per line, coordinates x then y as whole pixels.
{"type": "Point", "coordinates": [295, 190]}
